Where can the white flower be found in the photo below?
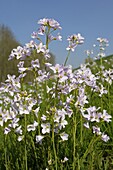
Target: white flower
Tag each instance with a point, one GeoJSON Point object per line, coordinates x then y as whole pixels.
{"type": "Point", "coordinates": [35, 124]}
{"type": "Point", "coordinates": [86, 125]}
{"type": "Point", "coordinates": [6, 130]}
{"type": "Point", "coordinates": [63, 123]}
{"type": "Point", "coordinates": [14, 123]}
{"type": "Point", "coordinates": [50, 162]}
{"type": "Point", "coordinates": [19, 130]}
{"type": "Point", "coordinates": [36, 111]}
{"type": "Point", "coordinates": [45, 128]}
{"type": "Point", "coordinates": [65, 160]}
{"type": "Point", "coordinates": [35, 63]}
{"type": "Point", "coordinates": [106, 117]}
{"type": "Point", "coordinates": [43, 117]}
{"type": "Point", "coordinates": [20, 138]}
{"type": "Point", "coordinates": [1, 123]}
{"type": "Point", "coordinates": [96, 130]}
{"type": "Point", "coordinates": [64, 136]}
{"type": "Point", "coordinates": [105, 137]}
{"type": "Point", "coordinates": [39, 138]}
{"type": "Point", "coordinates": [41, 48]}
{"type": "Point", "coordinates": [32, 127]}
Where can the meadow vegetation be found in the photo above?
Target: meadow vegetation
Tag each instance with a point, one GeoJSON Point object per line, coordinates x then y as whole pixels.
{"type": "Point", "coordinates": [60, 118]}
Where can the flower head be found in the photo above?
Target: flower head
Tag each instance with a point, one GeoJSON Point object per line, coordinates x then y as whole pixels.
{"type": "Point", "coordinates": [49, 22]}
{"type": "Point", "coordinates": [64, 136]}
{"type": "Point", "coordinates": [45, 128]}
{"type": "Point", "coordinates": [39, 138]}
{"type": "Point", "coordinates": [105, 137]}
{"type": "Point", "coordinates": [106, 117]}
{"type": "Point", "coordinates": [74, 40]}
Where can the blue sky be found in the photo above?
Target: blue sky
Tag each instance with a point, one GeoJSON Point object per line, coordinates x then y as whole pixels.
{"type": "Point", "coordinates": [91, 18]}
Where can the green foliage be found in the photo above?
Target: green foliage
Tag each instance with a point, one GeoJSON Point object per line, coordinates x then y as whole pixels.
{"type": "Point", "coordinates": [107, 62]}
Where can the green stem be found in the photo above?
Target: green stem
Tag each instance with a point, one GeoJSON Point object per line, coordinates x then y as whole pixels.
{"type": "Point", "coordinates": [47, 37]}
{"type": "Point", "coordinates": [36, 94]}
{"type": "Point", "coordinates": [78, 162]}
{"type": "Point", "coordinates": [5, 152]}
{"type": "Point", "coordinates": [53, 135]}
{"type": "Point", "coordinates": [54, 149]}
{"type": "Point", "coordinates": [25, 147]}
{"type": "Point", "coordinates": [94, 139]}
{"type": "Point", "coordinates": [101, 63]}
{"type": "Point", "coordinates": [5, 148]}
{"type": "Point", "coordinates": [74, 141]}
{"type": "Point", "coordinates": [81, 131]}
{"type": "Point", "coordinates": [67, 58]}
{"type": "Point", "coordinates": [109, 99]}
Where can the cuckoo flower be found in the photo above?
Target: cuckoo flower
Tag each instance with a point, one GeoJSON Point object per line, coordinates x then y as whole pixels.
{"type": "Point", "coordinates": [74, 40]}
{"type": "Point", "coordinates": [49, 22]}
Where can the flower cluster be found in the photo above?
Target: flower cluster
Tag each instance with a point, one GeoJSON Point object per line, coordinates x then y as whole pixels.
{"type": "Point", "coordinates": [47, 26]}
{"type": "Point", "coordinates": [74, 40]}
{"type": "Point", "coordinates": [64, 83]}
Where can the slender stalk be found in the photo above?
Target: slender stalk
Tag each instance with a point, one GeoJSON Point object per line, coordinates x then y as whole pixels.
{"type": "Point", "coordinates": [109, 99]}
{"type": "Point", "coordinates": [54, 149]}
{"type": "Point", "coordinates": [78, 161]}
{"type": "Point", "coordinates": [47, 37]}
{"type": "Point", "coordinates": [94, 139]}
{"type": "Point", "coordinates": [25, 147]}
{"type": "Point", "coordinates": [74, 141]}
{"type": "Point", "coordinates": [5, 148]}
{"type": "Point", "coordinates": [67, 58]}
{"type": "Point", "coordinates": [81, 131]}
{"type": "Point", "coordinates": [53, 135]}
{"type": "Point", "coordinates": [74, 134]}
{"type": "Point", "coordinates": [33, 145]}
{"type": "Point", "coordinates": [36, 94]}
{"type": "Point", "coordinates": [92, 160]}
{"type": "Point", "coordinates": [101, 63]}
{"type": "Point", "coordinates": [5, 152]}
